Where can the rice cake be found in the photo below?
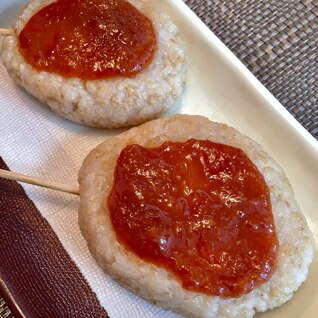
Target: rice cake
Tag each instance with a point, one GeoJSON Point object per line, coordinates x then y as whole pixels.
{"type": "Point", "coordinates": [113, 102]}
{"type": "Point", "coordinates": [158, 285]}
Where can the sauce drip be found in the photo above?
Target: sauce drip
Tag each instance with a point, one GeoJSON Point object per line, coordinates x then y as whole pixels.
{"type": "Point", "coordinates": [201, 210]}
{"type": "Point", "coordinates": [89, 39]}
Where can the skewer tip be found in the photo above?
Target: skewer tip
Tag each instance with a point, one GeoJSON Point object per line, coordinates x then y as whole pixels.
{"type": "Point", "coordinates": [39, 182]}
{"type": "Point", "coordinates": [6, 32]}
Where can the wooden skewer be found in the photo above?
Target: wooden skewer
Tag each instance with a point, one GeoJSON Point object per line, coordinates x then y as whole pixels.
{"type": "Point", "coordinates": [39, 182]}
{"type": "Point", "coordinates": [6, 31]}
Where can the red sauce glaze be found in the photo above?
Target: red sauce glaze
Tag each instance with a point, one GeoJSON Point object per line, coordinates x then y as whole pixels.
{"type": "Point", "coordinates": [201, 210]}
{"type": "Point", "coordinates": [89, 39]}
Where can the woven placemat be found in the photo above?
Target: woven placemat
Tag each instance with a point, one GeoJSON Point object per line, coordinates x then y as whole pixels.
{"type": "Point", "coordinates": [278, 42]}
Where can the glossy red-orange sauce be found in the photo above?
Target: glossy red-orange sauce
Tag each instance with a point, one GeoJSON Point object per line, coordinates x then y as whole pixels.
{"type": "Point", "coordinates": [89, 39]}
{"type": "Point", "coordinates": [201, 210]}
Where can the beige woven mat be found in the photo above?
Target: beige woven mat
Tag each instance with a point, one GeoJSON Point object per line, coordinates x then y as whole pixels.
{"type": "Point", "coordinates": [278, 41]}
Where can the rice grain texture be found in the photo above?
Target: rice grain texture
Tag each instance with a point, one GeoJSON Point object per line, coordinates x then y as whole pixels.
{"type": "Point", "coordinates": [114, 102]}
{"type": "Point", "coordinates": [159, 286]}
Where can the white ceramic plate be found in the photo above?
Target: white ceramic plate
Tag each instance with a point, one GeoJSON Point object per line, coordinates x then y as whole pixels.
{"type": "Point", "coordinates": [35, 141]}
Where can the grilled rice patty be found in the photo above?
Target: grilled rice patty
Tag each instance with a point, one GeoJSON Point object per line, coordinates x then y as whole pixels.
{"type": "Point", "coordinates": [114, 102]}
{"type": "Point", "coordinates": [159, 286]}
